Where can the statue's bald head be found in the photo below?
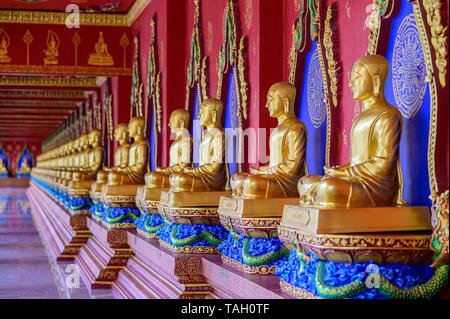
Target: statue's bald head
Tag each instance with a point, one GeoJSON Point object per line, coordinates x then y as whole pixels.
{"type": "Point", "coordinates": [287, 92]}
{"type": "Point", "coordinates": [94, 136]}
{"type": "Point", "coordinates": [215, 107]}
{"type": "Point", "coordinates": [181, 115]}
{"type": "Point", "coordinates": [136, 127]}
{"type": "Point", "coordinates": [137, 122]}
{"type": "Point", "coordinates": [375, 65]}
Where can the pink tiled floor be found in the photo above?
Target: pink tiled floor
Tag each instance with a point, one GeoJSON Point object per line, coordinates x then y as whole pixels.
{"type": "Point", "coordinates": [25, 268]}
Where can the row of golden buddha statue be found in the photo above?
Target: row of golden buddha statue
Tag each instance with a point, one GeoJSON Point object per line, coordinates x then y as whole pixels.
{"type": "Point", "coordinates": [276, 200]}
{"type": "Point", "coordinates": [370, 179]}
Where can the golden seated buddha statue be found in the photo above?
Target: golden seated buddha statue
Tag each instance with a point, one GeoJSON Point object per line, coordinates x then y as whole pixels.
{"type": "Point", "coordinates": [147, 197]}
{"type": "Point", "coordinates": [194, 194]}
{"type": "Point", "coordinates": [3, 168]}
{"type": "Point", "coordinates": [91, 160]}
{"type": "Point", "coordinates": [180, 152]}
{"type": "Point", "coordinates": [120, 159]}
{"type": "Point", "coordinates": [25, 168]}
{"type": "Point", "coordinates": [78, 158]}
{"type": "Point", "coordinates": [120, 156]}
{"type": "Point", "coordinates": [189, 188]}
{"type": "Point", "coordinates": [364, 195]}
{"type": "Point", "coordinates": [264, 192]}
{"type": "Point", "coordinates": [123, 182]}
{"type": "Point", "coordinates": [180, 156]}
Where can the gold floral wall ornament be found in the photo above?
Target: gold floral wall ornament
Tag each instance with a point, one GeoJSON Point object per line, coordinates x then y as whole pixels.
{"type": "Point", "coordinates": [377, 10]}
{"type": "Point", "coordinates": [153, 90]}
{"type": "Point", "coordinates": [433, 99]}
{"type": "Point", "coordinates": [27, 39]}
{"type": "Point", "coordinates": [297, 5]}
{"type": "Point", "coordinates": [330, 53]}
{"type": "Point", "coordinates": [124, 43]}
{"type": "Point", "coordinates": [101, 55]}
{"type": "Point", "coordinates": [4, 44]}
{"type": "Point", "coordinates": [242, 81]}
{"type": "Point", "coordinates": [348, 10]}
{"type": "Point", "coordinates": [438, 37]}
{"type": "Point", "coordinates": [210, 37]}
{"type": "Point", "coordinates": [158, 103]}
{"type": "Point", "coordinates": [51, 53]}
{"type": "Point", "coordinates": [136, 89]}
{"type": "Point", "coordinates": [248, 15]}
{"type": "Point", "coordinates": [194, 67]}
{"type": "Point", "coordinates": [204, 78]}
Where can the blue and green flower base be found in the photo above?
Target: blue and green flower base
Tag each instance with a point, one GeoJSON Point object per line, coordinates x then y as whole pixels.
{"type": "Point", "coordinates": [192, 238]}
{"type": "Point", "coordinates": [330, 280]}
{"type": "Point", "coordinates": [79, 204]}
{"type": "Point", "coordinates": [4, 175]}
{"type": "Point", "coordinates": [149, 224]}
{"type": "Point", "coordinates": [259, 253]}
{"type": "Point", "coordinates": [98, 210]}
{"type": "Point", "coordinates": [119, 215]}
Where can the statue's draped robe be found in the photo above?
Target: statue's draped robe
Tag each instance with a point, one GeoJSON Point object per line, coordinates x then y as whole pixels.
{"type": "Point", "coordinates": [180, 157]}
{"type": "Point", "coordinates": [287, 164]}
{"type": "Point", "coordinates": [210, 174]}
{"type": "Point", "coordinates": [137, 166]}
{"type": "Point", "coordinates": [120, 161]}
{"type": "Point", "coordinates": [372, 177]}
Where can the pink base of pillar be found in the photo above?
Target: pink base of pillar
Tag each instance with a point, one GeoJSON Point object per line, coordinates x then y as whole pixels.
{"type": "Point", "coordinates": [53, 222]}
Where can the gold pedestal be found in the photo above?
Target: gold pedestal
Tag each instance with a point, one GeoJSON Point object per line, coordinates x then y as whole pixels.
{"type": "Point", "coordinates": [119, 195]}
{"type": "Point", "coordinates": [191, 199]}
{"type": "Point", "coordinates": [384, 235]}
{"type": "Point", "coordinates": [147, 199]}
{"type": "Point", "coordinates": [254, 208]}
{"type": "Point", "coordinates": [80, 187]}
{"type": "Point", "coordinates": [255, 218]}
{"type": "Point", "coordinates": [357, 220]}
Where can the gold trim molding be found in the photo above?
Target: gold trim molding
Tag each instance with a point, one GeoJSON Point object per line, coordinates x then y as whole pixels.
{"type": "Point", "coordinates": [58, 81]}
{"type": "Point", "coordinates": [91, 19]}
{"type": "Point", "coordinates": [43, 17]}
{"type": "Point", "coordinates": [43, 94]}
{"type": "Point", "coordinates": [65, 69]}
{"type": "Point", "coordinates": [37, 104]}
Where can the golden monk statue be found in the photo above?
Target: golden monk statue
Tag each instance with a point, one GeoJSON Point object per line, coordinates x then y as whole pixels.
{"type": "Point", "coordinates": [101, 55]}
{"type": "Point", "coordinates": [91, 158]}
{"type": "Point", "coordinates": [137, 158]}
{"type": "Point", "coordinates": [3, 168]}
{"type": "Point", "coordinates": [210, 175]}
{"type": "Point", "coordinates": [287, 152]}
{"type": "Point", "coordinates": [120, 156]}
{"type": "Point", "coordinates": [25, 168]}
{"type": "Point", "coordinates": [372, 176]}
{"type": "Point", "coordinates": [180, 151]}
